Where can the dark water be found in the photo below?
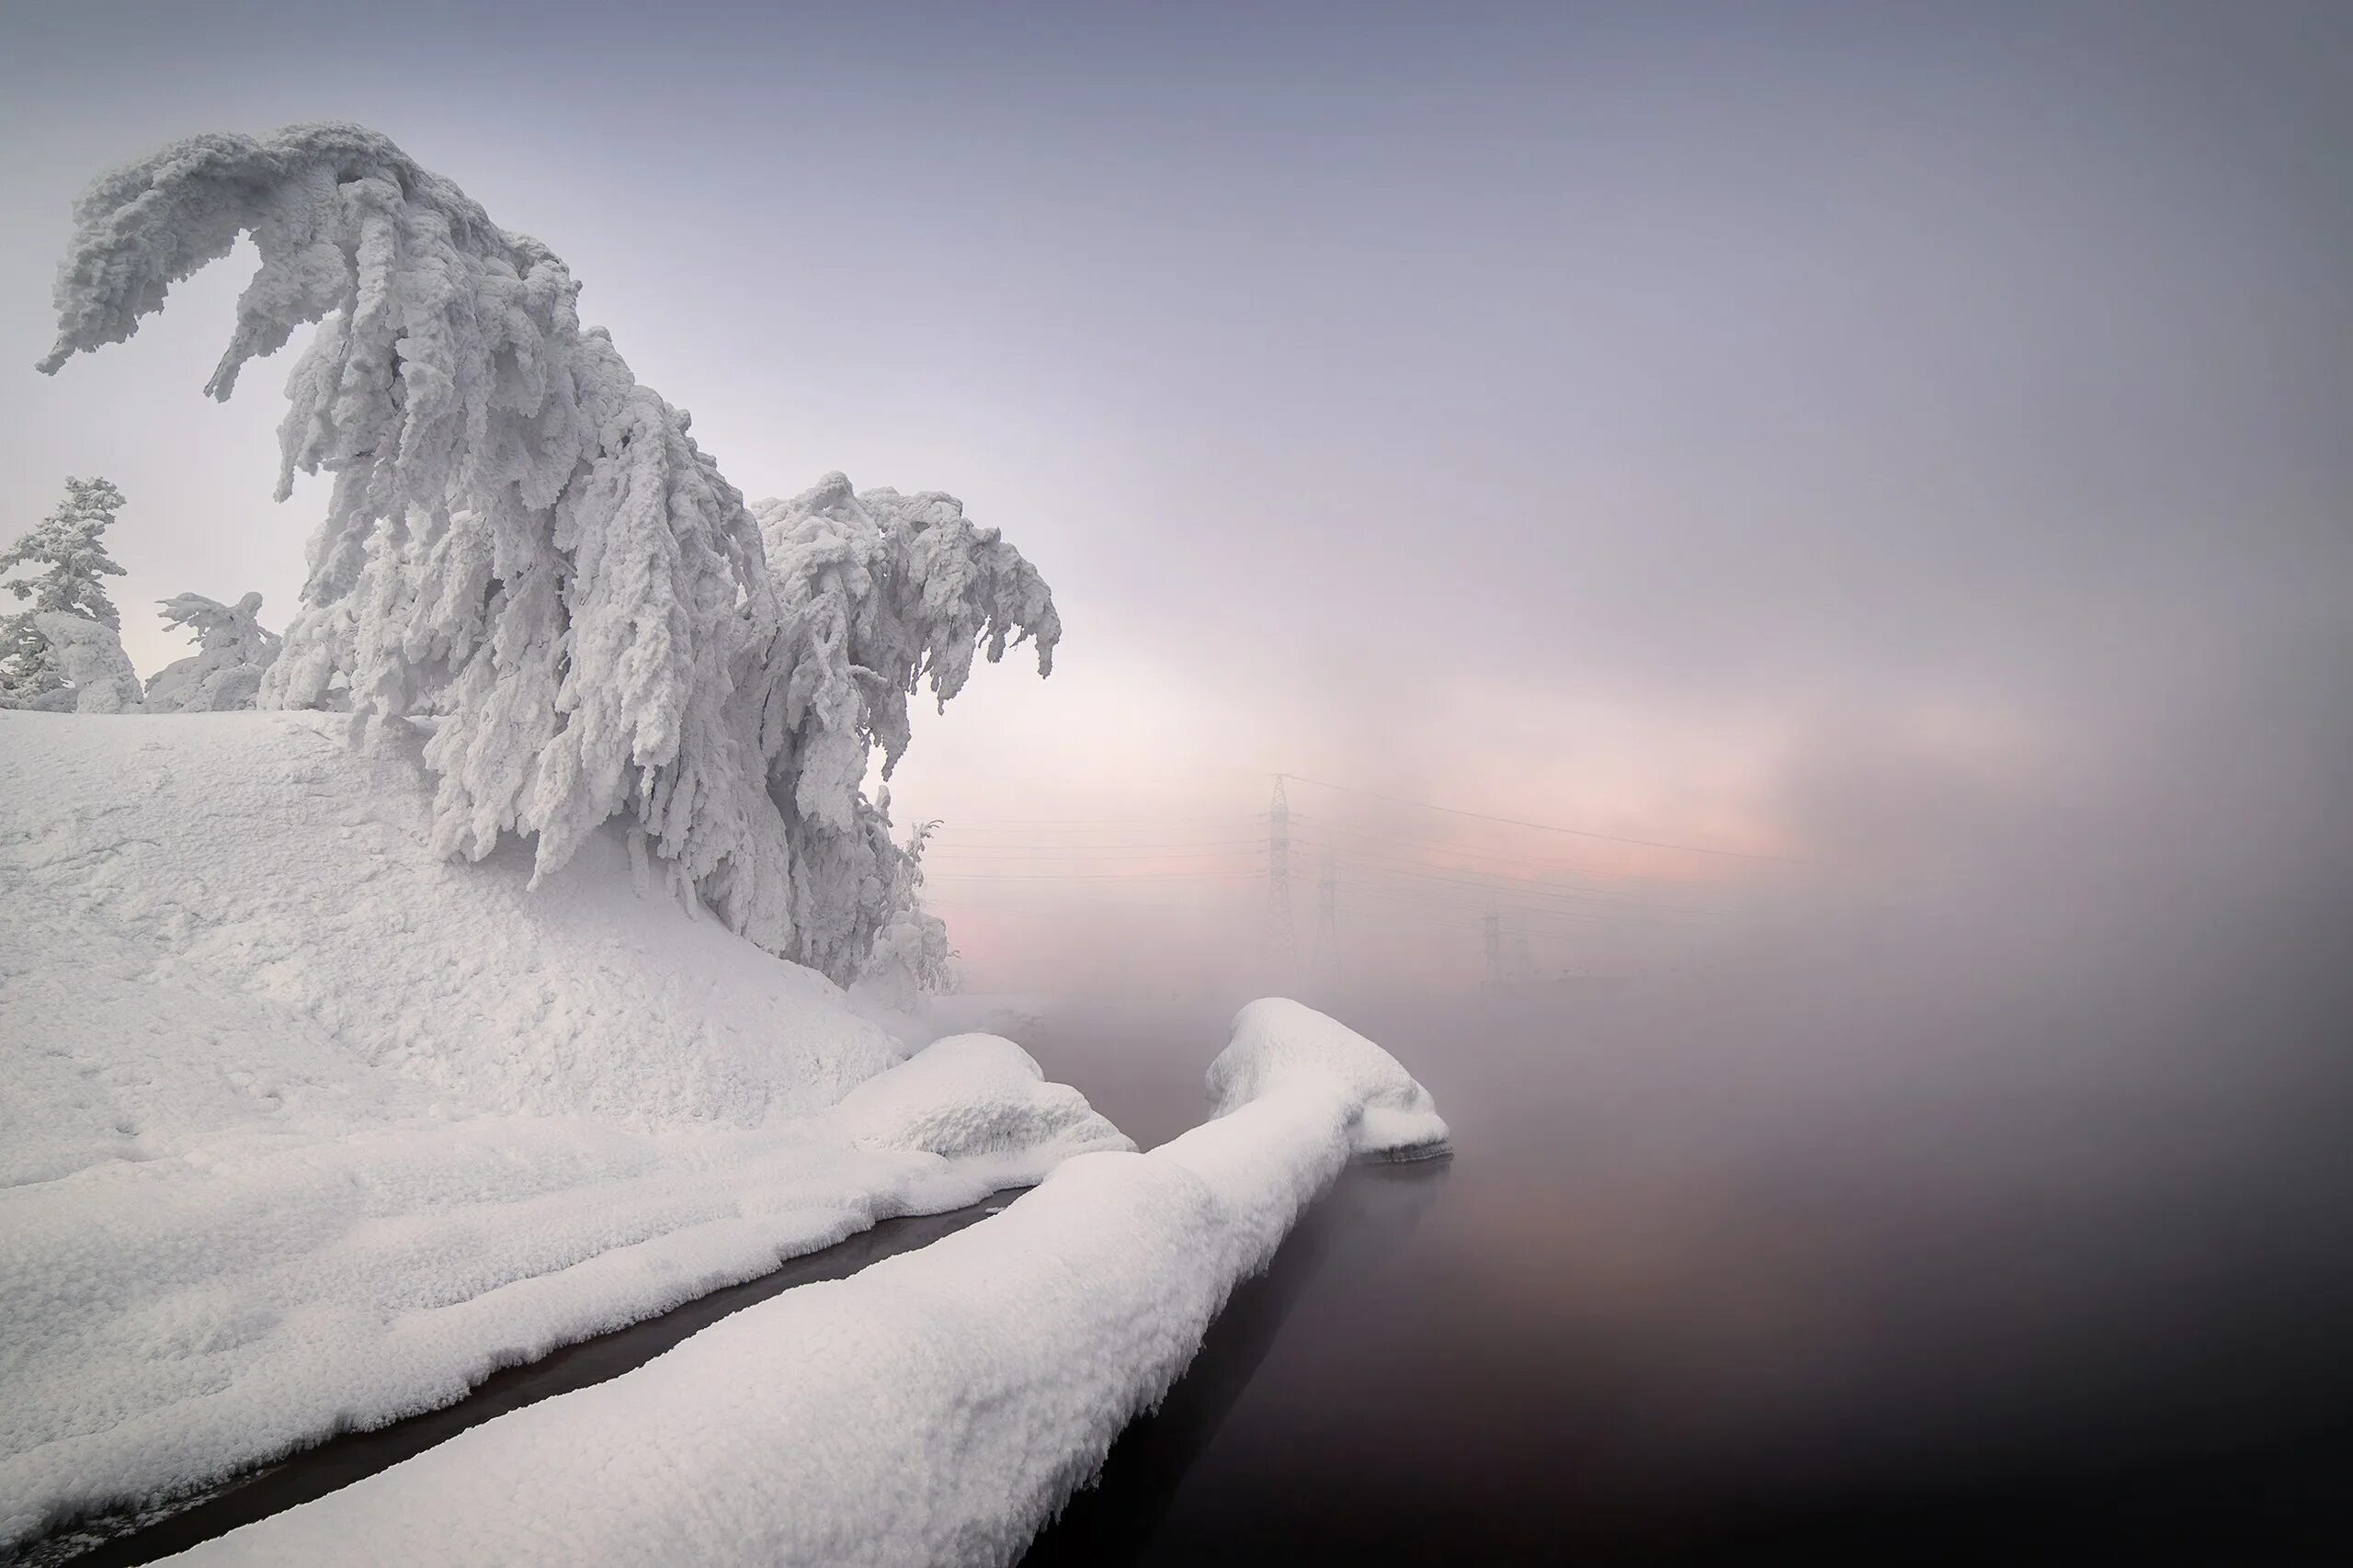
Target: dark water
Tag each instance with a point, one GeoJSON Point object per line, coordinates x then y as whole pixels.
{"type": "Point", "coordinates": [1694, 1294]}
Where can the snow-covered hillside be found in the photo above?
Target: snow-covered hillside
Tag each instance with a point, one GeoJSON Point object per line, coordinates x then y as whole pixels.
{"type": "Point", "coordinates": [303, 1125]}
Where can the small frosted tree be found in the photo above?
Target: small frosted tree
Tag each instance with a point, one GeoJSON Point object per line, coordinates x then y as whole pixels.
{"type": "Point", "coordinates": [99, 674]}
{"type": "Point", "coordinates": [910, 958]}
{"type": "Point", "coordinates": [234, 650]}
{"type": "Point", "coordinates": [524, 546]}
{"type": "Point", "coordinates": [66, 550]}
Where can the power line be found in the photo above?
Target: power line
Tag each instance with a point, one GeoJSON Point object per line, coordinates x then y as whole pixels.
{"type": "Point", "coordinates": [1371, 860]}
{"type": "Point", "coordinates": [1535, 911]}
{"type": "Point", "coordinates": [1511, 886]}
{"type": "Point", "coordinates": [1481, 852]}
{"type": "Point", "coordinates": [1153, 823]}
{"type": "Point", "coordinates": [1540, 826]}
{"type": "Point", "coordinates": [1088, 853]}
{"type": "Point", "coordinates": [1087, 876]}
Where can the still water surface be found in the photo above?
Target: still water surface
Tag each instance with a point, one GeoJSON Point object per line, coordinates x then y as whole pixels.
{"type": "Point", "coordinates": [1674, 1300]}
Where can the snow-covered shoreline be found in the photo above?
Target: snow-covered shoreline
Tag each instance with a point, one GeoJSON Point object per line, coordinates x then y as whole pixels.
{"type": "Point", "coordinates": [305, 1128]}
{"type": "Point", "coordinates": [937, 1408]}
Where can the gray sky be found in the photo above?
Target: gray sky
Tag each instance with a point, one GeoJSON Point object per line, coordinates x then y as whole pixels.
{"type": "Point", "coordinates": [1874, 433]}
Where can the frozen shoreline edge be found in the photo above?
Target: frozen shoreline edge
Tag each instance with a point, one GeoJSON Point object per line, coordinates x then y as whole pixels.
{"type": "Point", "coordinates": [938, 1407]}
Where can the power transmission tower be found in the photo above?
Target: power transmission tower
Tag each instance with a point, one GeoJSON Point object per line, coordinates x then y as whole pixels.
{"type": "Point", "coordinates": [1327, 918]}
{"type": "Point", "coordinates": [1491, 927]}
{"type": "Point", "coordinates": [1281, 945]}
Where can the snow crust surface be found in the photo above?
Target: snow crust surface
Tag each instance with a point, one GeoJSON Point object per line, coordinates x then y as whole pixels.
{"type": "Point", "coordinates": [934, 1409]}
{"type": "Point", "coordinates": [303, 1127]}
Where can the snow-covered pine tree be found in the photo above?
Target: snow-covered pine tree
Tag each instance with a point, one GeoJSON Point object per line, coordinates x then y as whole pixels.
{"type": "Point", "coordinates": [524, 544]}
{"type": "Point", "coordinates": [233, 651]}
{"type": "Point", "coordinates": [521, 539]}
{"type": "Point", "coordinates": [67, 551]}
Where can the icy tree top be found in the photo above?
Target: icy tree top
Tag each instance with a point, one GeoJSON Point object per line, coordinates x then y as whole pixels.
{"type": "Point", "coordinates": [142, 227]}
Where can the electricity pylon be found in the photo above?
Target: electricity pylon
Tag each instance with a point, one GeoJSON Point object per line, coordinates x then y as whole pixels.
{"type": "Point", "coordinates": [1282, 946]}
{"type": "Point", "coordinates": [1327, 919]}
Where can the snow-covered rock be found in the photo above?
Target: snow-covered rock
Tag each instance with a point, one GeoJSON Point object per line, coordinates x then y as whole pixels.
{"type": "Point", "coordinates": [303, 1127]}
{"type": "Point", "coordinates": [934, 1409]}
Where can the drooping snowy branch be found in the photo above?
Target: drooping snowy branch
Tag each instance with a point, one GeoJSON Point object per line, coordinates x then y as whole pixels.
{"type": "Point", "coordinates": [880, 595]}
{"type": "Point", "coordinates": [68, 552]}
{"type": "Point", "coordinates": [526, 546]}
{"type": "Point", "coordinates": [234, 650]}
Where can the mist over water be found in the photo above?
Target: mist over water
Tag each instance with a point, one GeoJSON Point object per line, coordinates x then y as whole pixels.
{"type": "Point", "coordinates": [1988, 1194]}
{"type": "Point", "coordinates": [1757, 1257]}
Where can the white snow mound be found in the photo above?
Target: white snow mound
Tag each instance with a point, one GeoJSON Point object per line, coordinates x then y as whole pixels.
{"type": "Point", "coordinates": [305, 1128]}
{"type": "Point", "coordinates": [934, 1409]}
{"type": "Point", "coordinates": [975, 1095]}
{"type": "Point", "coordinates": [1278, 1041]}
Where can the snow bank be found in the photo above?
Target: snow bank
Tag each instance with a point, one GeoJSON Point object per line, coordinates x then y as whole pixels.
{"type": "Point", "coordinates": [304, 1127]}
{"type": "Point", "coordinates": [977, 1095]}
{"type": "Point", "coordinates": [936, 1408]}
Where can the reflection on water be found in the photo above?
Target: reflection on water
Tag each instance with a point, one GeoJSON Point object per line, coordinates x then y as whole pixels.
{"type": "Point", "coordinates": [1674, 1300]}
{"type": "Point", "coordinates": [1335, 1246]}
